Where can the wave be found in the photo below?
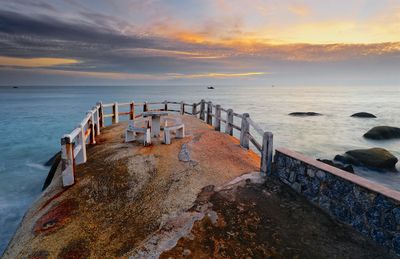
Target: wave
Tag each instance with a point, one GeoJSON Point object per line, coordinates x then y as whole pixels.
{"type": "Point", "coordinates": [38, 166]}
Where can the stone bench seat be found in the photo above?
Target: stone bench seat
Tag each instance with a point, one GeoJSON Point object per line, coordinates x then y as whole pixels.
{"type": "Point", "coordinates": [178, 127]}
{"type": "Point", "coordinates": [139, 129]}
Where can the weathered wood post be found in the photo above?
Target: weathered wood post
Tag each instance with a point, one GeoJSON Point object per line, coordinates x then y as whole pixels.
{"type": "Point", "coordinates": [67, 161]}
{"type": "Point", "coordinates": [165, 105]}
{"type": "Point", "coordinates": [218, 117]}
{"type": "Point", "coordinates": [92, 139]}
{"type": "Point", "coordinates": [194, 109]}
{"type": "Point", "coordinates": [115, 117]}
{"type": "Point", "coordinates": [229, 122]}
{"type": "Point", "coordinates": [244, 131]}
{"type": "Point", "coordinates": [81, 156]}
{"type": "Point", "coordinates": [266, 154]}
{"type": "Point", "coordinates": [145, 108]}
{"type": "Point", "coordinates": [101, 114]}
{"type": "Point", "coordinates": [97, 120]}
{"type": "Point", "coordinates": [209, 113]}
{"type": "Point", "coordinates": [202, 109]}
{"type": "Point", "coordinates": [132, 111]}
{"type": "Point", "coordinates": [182, 109]}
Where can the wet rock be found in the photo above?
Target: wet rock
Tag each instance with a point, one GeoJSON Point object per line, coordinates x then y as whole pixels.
{"type": "Point", "coordinates": [55, 161]}
{"type": "Point", "coordinates": [363, 115]}
{"type": "Point", "coordinates": [304, 114]}
{"type": "Point", "coordinates": [347, 168]}
{"type": "Point", "coordinates": [52, 159]}
{"type": "Point", "coordinates": [383, 132]}
{"type": "Point", "coordinates": [376, 158]}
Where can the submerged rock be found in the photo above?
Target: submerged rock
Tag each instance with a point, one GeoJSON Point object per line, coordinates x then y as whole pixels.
{"type": "Point", "coordinates": [363, 115]}
{"type": "Point", "coordinates": [377, 158]}
{"type": "Point", "coordinates": [347, 168]}
{"type": "Point", "coordinates": [304, 114]}
{"type": "Point", "coordinates": [383, 132]}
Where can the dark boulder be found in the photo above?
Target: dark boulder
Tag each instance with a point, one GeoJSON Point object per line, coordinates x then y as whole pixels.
{"type": "Point", "coordinates": [383, 132]}
{"type": "Point", "coordinates": [50, 162]}
{"type": "Point", "coordinates": [363, 115]}
{"type": "Point", "coordinates": [304, 114]}
{"type": "Point", "coordinates": [56, 159]}
{"type": "Point", "coordinates": [376, 158]}
{"type": "Point", "coordinates": [347, 168]}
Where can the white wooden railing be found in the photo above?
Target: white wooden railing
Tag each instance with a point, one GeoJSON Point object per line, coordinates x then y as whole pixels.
{"type": "Point", "coordinates": [73, 145]}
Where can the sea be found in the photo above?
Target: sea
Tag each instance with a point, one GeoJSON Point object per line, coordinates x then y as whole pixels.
{"type": "Point", "coordinates": [33, 119]}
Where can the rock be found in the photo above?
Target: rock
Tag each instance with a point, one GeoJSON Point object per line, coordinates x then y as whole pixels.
{"type": "Point", "coordinates": [383, 132]}
{"type": "Point", "coordinates": [304, 114]}
{"type": "Point", "coordinates": [184, 154]}
{"type": "Point", "coordinates": [377, 158]}
{"type": "Point", "coordinates": [55, 160]}
{"type": "Point", "coordinates": [347, 168]}
{"type": "Point", "coordinates": [50, 162]}
{"type": "Point", "coordinates": [363, 115]}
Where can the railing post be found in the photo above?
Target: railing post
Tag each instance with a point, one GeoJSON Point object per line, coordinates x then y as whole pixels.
{"type": "Point", "coordinates": [194, 109]}
{"type": "Point", "coordinates": [81, 156]}
{"type": "Point", "coordinates": [202, 110]}
{"type": "Point", "coordinates": [244, 131]}
{"type": "Point", "coordinates": [209, 113]}
{"type": "Point", "coordinates": [132, 111]}
{"type": "Point", "coordinates": [92, 139]}
{"type": "Point", "coordinates": [218, 117]}
{"type": "Point", "coordinates": [97, 120]}
{"type": "Point", "coordinates": [182, 110]}
{"type": "Point", "coordinates": [115, 118]}
{"type": "Point", "coordinates": [165, 105]}
{"type": "Point", "coordinates": [101, 114]}
{"type": "Point", "coordinates": [266, 154]}
{"type": "Point", "coordinates": [145, 108]}
{"type": "Point", "coordinates": [67, 161]}
{"type": "Point", "coordinates": [229, 122]}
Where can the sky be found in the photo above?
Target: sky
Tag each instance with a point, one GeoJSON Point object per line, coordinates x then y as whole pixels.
{"type": "Point", "coordinates": [251, 42]}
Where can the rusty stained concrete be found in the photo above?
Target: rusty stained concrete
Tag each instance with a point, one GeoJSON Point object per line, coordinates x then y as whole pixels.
{"type": "Point", "coordinates": [126, 192]}
{"type": "Point", "coordinates": [269, 220]}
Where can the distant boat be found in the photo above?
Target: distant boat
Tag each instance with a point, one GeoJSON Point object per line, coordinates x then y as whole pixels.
{"type": "Point", "coordinates": [15, 87]}
{"type": "Point", "coordinates": [210, 87]}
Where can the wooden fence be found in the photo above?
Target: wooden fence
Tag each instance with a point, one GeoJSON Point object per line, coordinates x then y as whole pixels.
{"type": "Point", "coordinates": [73, 145]}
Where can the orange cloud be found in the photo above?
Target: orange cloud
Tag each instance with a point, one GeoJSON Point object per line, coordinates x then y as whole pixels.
{"type": "Point", "coordinates": [138, 76]}
{"type": "Point", "coordinates": [150, 52]}
{"type": "Point", "coordinates": [219, 75]}
{"type": "Point", "coordinates": [35, 62]}
{"type": "Point", "coordinates": [299, 10]}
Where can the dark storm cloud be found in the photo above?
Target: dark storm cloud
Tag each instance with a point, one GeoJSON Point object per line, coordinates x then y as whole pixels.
{"type": "Point", "coordinates": [94, 46]}
{"type": "Point", "coordinates": [47, 27]}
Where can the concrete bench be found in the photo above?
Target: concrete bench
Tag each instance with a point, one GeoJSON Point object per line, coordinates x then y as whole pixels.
{"type": "Point", "coordinates": [178, 128]}
{"type": "Point", "coordinates": [139, 129]}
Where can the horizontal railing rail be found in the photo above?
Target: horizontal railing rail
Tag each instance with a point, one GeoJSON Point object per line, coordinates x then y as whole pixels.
{"type": "Point", "coordinates": [73, 145]}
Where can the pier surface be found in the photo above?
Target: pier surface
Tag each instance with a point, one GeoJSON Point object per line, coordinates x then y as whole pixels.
{"type": "Point", "coordinates": [199, 197]}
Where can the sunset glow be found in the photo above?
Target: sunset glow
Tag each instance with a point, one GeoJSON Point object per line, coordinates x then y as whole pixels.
{"type": "Point", "coordinates": [149, 40]}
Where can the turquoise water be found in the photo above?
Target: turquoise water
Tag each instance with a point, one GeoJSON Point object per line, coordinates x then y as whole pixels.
{"type": "Point", "coordinates": [34, 118]}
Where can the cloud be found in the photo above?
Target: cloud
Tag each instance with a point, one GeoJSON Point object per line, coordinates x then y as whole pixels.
{"type": "Point", "coordinates": [300, 10]}
{"type": "Point", "coordinates": [95, 45]}
{"type": "Point", "coordinates": [219, 75]}
{"type": "Point", "coordinates": [137, 76]}
{"type": "Point", "coordinates": [35, 62]}
{"type": "Point", "coordinates": [45, 27]}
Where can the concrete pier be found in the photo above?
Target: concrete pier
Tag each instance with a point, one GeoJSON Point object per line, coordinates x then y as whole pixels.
{"type": "Point", "coordinates": [201, 196]}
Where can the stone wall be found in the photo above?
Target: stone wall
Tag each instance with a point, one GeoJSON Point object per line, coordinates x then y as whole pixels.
{"type": "Point", "coordinates": [370, 208]}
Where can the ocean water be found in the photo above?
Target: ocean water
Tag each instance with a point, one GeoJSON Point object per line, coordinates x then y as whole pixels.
{"type": "Point", "coordinates": [32, 120]}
